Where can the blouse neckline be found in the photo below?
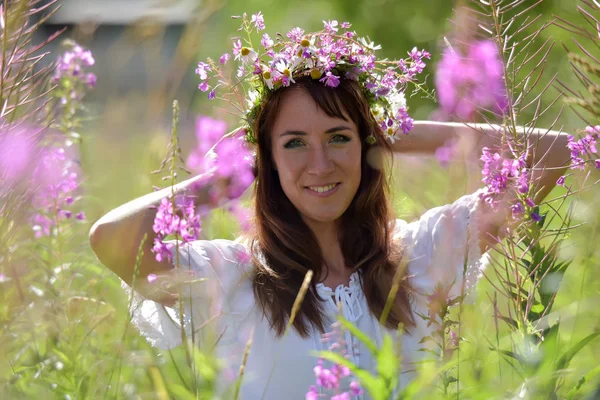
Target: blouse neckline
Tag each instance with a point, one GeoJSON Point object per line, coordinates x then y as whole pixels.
{"type": "Point", "coordinates": [352, 286]}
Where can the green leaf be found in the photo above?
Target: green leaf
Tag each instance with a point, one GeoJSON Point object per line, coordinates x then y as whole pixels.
{"type": "Point", "coordinates": [360, 335]}
{"type": "Point", "coordinates": [569, 354]}
{"type": "Point", "coordinates": [179, 392]}
{"type": "Point", "coordinates": [387, 362]}
{"type": "Point", "coordinates": [538, 308]}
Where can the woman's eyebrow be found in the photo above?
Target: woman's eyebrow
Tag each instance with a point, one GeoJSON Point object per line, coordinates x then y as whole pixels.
{"type": "Point", "coordinates": [302, 133]}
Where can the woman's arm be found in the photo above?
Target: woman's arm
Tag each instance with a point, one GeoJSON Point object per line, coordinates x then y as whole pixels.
{"type": "Point", "coordinates": [548, 159]}
{"type": "Point", "coordinates": [116, 237]}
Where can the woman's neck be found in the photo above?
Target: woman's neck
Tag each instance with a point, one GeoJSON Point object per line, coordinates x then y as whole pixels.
{"type": "Point", "coordinates": [335, 267]}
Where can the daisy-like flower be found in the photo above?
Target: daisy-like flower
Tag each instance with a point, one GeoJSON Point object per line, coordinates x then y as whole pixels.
{"type": "Point", "coordinates": [286, 73]}
{"type": "Point", "coordinates": [248, 55]}
{"type": "Point", "coordinates": [267, 76]}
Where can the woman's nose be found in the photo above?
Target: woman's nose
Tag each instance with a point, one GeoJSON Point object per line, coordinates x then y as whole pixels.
{"type": "Point", "coordinates": [320, 162]}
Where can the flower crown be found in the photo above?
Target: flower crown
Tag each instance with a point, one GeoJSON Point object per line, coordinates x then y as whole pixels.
{"type": "Point", "coordinates": [328, 55]}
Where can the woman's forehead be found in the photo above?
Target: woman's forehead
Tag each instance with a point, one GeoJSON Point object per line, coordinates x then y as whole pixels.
{"type": "Point", "coordinates": [299, 111]}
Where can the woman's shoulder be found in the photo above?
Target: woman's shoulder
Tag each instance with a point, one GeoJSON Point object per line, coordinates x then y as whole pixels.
{"type": "Point", "coordinates": [226, 260]}
{"type": "Point", "coordinates": [442, 245]}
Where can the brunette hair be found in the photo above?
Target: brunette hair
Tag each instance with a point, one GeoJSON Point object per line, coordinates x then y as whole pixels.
{"type": "Point", "coordinates": [284, 248]}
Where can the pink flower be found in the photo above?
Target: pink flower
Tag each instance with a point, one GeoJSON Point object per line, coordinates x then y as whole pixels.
{"type": "Point", "coordinates": [470, 82]}
{"type": "Point", "coordinates": [330, 80]}
{"type": "Point", "coordinates": [295, 34]}
{"type": "Point", "coordinates": [266, 41]}
{"type": "Point", "coordinates": [224, 58]}
{"type": "Point", "coordinates": [258, 21]}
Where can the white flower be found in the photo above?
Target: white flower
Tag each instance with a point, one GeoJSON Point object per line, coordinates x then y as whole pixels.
{"type": "Point", "coordinates": [369, 44]}
{"type": "Point", "coordinates": [397, 100]}
{"type": "Point", "coordinates": [248, 54]}
{"type": "Point", "coordinates": [252, 98]}
{"type": "Point", "coordinates": [285, 70]}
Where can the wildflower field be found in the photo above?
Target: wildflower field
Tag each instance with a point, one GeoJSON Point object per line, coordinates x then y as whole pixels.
{"type": "Point", "coordinates": [77, 141]}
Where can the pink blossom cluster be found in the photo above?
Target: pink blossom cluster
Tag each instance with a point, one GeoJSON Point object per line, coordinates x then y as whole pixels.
{"type": "Point", "coordinates": [586, 146]}
{"type": "Point", "coordinates": [70, 75]}
{"type": "Point", "coordinates": [55, 184]}
{"type": "Point", "coordinates": [329, 55]}
{"type": "Point", "coordinates": [330, 379]}
{"type": "Point", "coordinates": [500, 172]}
{"type": "Point", "coordinates": [169, 223]}
{"type": "Point", "coordinates": [466, 83]}
{"type": "Point", "coordinates": [219, 160]}
{"type": "Point", "coordinates": [228, 159]}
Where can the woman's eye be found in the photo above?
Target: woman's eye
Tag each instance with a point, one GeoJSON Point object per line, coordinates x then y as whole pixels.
{"type": "Point", "coordinates": [293, 144]}
{"type": "Point", "coordinates": [340, 139]}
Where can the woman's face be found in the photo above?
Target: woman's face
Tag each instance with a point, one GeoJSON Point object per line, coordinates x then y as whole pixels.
{"type": "Point", "coordinates": [317, 157]}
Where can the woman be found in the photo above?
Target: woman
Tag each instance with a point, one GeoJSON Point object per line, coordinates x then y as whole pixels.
{"type": "Point", "coordinates": [321, 204]}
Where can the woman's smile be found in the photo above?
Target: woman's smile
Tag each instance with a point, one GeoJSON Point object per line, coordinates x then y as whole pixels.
{"type": "Point", "coordinates": [323, 190]}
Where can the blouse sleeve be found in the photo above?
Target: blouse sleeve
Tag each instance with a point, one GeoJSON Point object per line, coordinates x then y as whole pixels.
{"type": "Point", "coordinates": [442, 247]}
{"type": "Point", "coordinates": [219, 290]}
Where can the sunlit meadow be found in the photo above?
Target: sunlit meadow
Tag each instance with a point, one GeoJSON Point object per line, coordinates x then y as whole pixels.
{"type": "Point", "coordinates": [77, 141]}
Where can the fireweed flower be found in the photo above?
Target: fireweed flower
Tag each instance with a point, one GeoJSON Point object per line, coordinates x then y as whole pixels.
{"type": "Point", "coordinates": [466, 83]}
{"type": "Point", "coordinates": [70, 76]}
{"type": "Point", "coordinates": [18, 150]}
{"type": "Point", "coordinates": [57, 181]}
{"type": "Point", "coordinates": [586, 146]}
{"type": "Point", "coordinates": [168, 223]}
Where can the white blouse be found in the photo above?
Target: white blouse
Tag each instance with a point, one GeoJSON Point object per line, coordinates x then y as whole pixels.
{"type": "Point", "coordinates": [442, 248]}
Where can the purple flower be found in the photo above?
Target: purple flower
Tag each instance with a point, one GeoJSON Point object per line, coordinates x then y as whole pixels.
{"type": "Point", "coordinates": [237, 48]}
{"type": "Point", "coordinates": [295, 34]}
{"type": "Point", "coordinates": [331, 26]}
{"type": "Point", "coordinates": [258, 20]}
{"type": "Point", "coordinates": [597, 164]}
{"type": "Point", "coordinates": [517, 209]}
{"type": "Point", "coordinates": [224, 58]}
{"type": "Point", "coordinates": [444, 154]}
{"type": "Point", "coordinates": [152, 278]}
{"type": "Point", "coordinates": [536, 217]}
{"type": "Point", "coordinates": [202, 70]}
{"type": "Point", "coordinates": [208, 132]}
{"type": "Point", "coordinates": [346, 25]}
{"type": "Point", "coordinates": [593, 130]}
{"type": "Point", "coordinates": [266, 41]}
{"type": "Point", "coordinates": [168, 223]}
{"type": "Point", "coordinates": [561, 180]}
{"type": "Point", "coordinates": [530, 203]}
{"type": "Point", "coordinates": [468, 83]}
{"type": "Point", "coordinates": [212, 94]}
{"type": "Point", "coordinates": [312, 394]}
{"type": "Point", "coordinates": [17, 152]}
{"type": "Point", "coordinates": [203, 86]}
{"type": "Point", "coordinates": [406, 122]}
{"type": "Point", "coordinates": [355, 388]}
{"type": "Point", "coordinates": [330, 79]}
